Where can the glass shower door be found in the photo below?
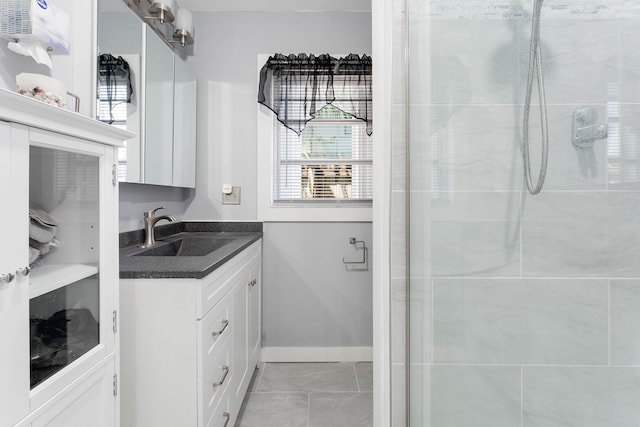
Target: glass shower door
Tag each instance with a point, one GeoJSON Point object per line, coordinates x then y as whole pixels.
{"type": "Point", "coordinates": [524, 310]}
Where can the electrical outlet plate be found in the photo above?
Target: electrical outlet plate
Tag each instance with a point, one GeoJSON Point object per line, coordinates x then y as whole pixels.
{"type": "Point", "coordinates": [232, 198]}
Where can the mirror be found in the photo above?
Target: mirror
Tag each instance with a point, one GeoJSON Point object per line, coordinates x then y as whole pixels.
{"type": "Point", "coordinates": [184, 125]}
{"type": "Point", "coordinates": [161, 107]}
{"type": "Point", "coordinates": [120, 34]}
{"type": "Point", "coordinates": [158, 160]}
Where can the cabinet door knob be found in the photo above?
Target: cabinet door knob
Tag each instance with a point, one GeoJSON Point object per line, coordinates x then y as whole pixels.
{"type": "Point", "coordinates": [225, 323]}
{"type": "Point", "coordinates": [24, 271]}
{"type": "Point", "coordinates": [227, 417]}
{"type": "Point", "coordinates": [7, 278]}
{"type": "Point", "coordinates": [225, 370]}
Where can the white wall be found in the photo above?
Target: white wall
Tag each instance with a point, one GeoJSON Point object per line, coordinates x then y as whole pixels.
{"type": "Point", "coordinates": [225, 60]}
{"type": "Point", "coordinates": [310, 300]}
{"type": "Point", "coordinates": [135, 199]}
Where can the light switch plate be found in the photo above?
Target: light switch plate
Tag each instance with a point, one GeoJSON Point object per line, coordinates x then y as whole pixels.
{"type": "Point", "coordinates": [232, 198]}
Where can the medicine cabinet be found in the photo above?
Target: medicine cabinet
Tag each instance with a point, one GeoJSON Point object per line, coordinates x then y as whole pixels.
{"type": "Point", "coordinates": [161, 108]}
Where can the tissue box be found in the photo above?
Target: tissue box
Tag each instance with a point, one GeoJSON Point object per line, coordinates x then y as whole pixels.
{"type": "Point", "coordinates": [35, 20]}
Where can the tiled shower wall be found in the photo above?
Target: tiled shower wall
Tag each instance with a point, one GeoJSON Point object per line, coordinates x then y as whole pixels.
{"type": "Point", "coordinates": [525, 310]}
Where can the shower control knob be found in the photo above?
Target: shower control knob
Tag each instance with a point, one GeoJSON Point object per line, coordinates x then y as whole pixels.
{"type": "Point", "coordinates": [586, 115]}
{"type": "Point", "coordinates": [7, 278]}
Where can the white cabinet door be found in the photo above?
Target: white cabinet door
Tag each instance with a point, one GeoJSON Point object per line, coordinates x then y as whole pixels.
{"type": "Point", "coordinates": [90, 403]}
{"type": "Point", "coordinates": [254, 316]}
{"type": "Point", "coordinates": [14, 294]}
{"type": "Point", "coordinates": [239, 361]}
{"type": "Point", "coordinates": [70, 179]}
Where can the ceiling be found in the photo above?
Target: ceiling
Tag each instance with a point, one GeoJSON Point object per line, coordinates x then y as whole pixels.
{"type": "Point", "coordinates": [276, 5]}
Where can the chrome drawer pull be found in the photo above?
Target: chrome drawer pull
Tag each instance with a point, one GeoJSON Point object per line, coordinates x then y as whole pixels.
{"type": "Point", "coordinates": [225, 369]}
{"type": "Point", "coordinates": [7, 278]}
{"type": "Point", "coordinates": [227, 417]}
{"type": "Point", "coordinates": [225, 323]}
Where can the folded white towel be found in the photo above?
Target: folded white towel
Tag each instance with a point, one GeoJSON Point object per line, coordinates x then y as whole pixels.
{"type": "Point", "coordinates": [43, 248]}
{"type": "Point", "coordinates": [41, 233]}
{"type": "Point", "coordinates": [42, 217]}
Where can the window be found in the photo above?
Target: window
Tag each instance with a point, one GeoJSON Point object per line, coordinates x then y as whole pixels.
{"type": "Point", "coordinates": [114, 95]}
{"type": "Point", "coordinates": [317, 139]}
{"type": "Point", "coordinates": [114, 90]}
{"type": "Point", "coordinates": [330, 161]}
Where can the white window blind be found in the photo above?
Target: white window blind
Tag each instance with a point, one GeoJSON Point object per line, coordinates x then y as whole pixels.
{"type": "Point", "coordinates": [331, 161]}
{"type": "Point", "coordinates": [112, 109]}
{"type": "Point", "coordinates": [112, 100]}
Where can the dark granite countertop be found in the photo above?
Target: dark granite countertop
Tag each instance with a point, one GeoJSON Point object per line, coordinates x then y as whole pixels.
{"type": "Point", "coordinates": [241, 234]}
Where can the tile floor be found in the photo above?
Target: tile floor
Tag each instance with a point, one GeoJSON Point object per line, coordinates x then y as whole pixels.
{"type": "Point", "coordinates": [309, 395]}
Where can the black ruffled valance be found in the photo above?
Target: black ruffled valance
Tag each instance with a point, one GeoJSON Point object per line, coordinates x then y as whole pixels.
{"type": "Point", "coordinates": [295, 87]}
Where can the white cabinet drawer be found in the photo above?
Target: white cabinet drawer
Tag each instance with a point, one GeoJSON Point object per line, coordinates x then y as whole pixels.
{"type": "Point", "coordinates": [213, 330]}
{"type": "Point", "coordinates": [216, 377]}
{"type": "Point", "coordinates": [222, 416]}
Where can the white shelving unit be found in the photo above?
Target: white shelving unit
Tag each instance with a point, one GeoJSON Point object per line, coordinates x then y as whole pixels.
{"type": "Point", "coordinates": [47, 278]}
{"type": "Point", "coordinates": [57, 318]}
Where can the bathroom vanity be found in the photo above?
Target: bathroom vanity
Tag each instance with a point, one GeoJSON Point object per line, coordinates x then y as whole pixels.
{"type": "Point", "coordinates": [58, 303]}
{"type": "Point", "coordinates": [190, 327]}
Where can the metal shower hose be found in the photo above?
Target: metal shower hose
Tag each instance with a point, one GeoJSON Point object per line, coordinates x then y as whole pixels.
{"type": "Point", "coordinates": [535, 67]}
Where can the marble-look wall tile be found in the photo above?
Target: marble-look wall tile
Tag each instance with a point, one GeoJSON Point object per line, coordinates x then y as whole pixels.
{"type": "Point", "coordinates": [399, 67]}
{"type": "Point", "coordinates": [580, 58]}
{"type": "Point", "coordinates": [474, 62]}
{"type": "Point", "coordinates": [623, 147]}
{"type": "Point", "coordinates": [420, 395]}
{"type": "Point", "coordinates": [581, 234]}
{"type": "Point", "coordinates": [398, 319]}
{"type": "Point", "coordinates": [625, 322]}
{"type": "Point", "coordinates": [500, 9]}
{"type": "Point", "coordinates": [474, 234]}
{"type": "Point", "coordinates": [399, 148]}
{"type": "Point", "coordinates": [629, 57]}
{"type": "Point", "coordinates": [420, 312]}
{"type": "Point", "coordinates": [475, 396]}
{"type": "Point", "coordinates": [521, 321]}
{"type": "Point", "coordinates": [398, 234]}
{"type": "Point", "coordinates": [398, 395]}
{"type": "Point", "coordinates": [581, 397]}
{"type": "Point", "coordinates": [474, 148]}
{"type": "Point", "coordinates": [420, 119]}
{"type": "Point", "coordinates": [420, 230]}
{"type": "Point", "coordinates": [420, 36]}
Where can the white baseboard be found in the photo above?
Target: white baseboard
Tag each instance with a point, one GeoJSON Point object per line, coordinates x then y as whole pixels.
{"type": "Point", "coordinates": [317, 354]}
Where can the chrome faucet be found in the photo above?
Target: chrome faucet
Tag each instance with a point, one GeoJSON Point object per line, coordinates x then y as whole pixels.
{"type": "Point", "coordinates": [150, 221]}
